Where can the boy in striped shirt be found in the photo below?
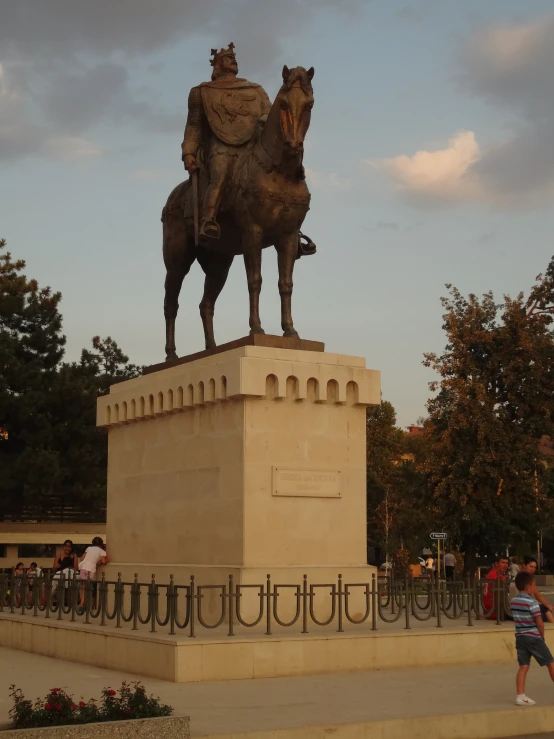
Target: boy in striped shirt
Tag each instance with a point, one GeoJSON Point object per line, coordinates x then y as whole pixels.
{"type": "Point", "coordinates": [529, 635]}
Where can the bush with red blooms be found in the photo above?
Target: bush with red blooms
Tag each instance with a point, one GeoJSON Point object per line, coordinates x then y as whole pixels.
{"type": "Point", "coordinates": [59, 708]}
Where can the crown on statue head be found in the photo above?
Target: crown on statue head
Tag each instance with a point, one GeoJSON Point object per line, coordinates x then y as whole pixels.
{"type": "Point", "coordinates": [217, 55]}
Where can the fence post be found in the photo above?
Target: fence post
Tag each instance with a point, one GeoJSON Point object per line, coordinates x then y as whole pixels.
{"type": "Point", "coordinates": [135, 601]}
{"type": "Point", "coordinates": [438, 602]}
{"type": "Point", "coordinates": [341, 604]}
{"type": "Point", "coordinates": [407, 602]}
{"type": "Point", "coordinates": [268, 605]}
{"type": "Point", "coordinates": [192, 597]}
{"type": "Point", "coordinates": [305, 604]}
{"type": "Point", "coordinates": [232, 601]}
{"type": "Point", "coordinates": [374, 597]}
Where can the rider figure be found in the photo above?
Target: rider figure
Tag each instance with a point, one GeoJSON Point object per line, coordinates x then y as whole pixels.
{"type": "Point", "coordinates": [223, 118]}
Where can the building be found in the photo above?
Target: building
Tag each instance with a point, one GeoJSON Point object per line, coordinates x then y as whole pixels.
{"type": "Point", "coordinates": [39, 542]}
{"type": "Point", "coordinates": [27, 536]}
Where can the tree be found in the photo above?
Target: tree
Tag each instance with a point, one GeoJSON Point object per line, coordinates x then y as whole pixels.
{"type": "Point", "coordinates": [82, 448]}
{"type": "Point", "coordinates": [31, 346]}
{"type": "Point", "coordinates": [495, 399]}
{"type": "Point", "coordinates": [48, 408]}
{"type": "Point", "coordinates": [398, 513]}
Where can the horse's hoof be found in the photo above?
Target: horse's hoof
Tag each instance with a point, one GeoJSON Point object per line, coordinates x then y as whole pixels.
{"type": "Point", "coordinates": [291, 334]}
{"type": "Point", "coordinates": [170, 356]}
{"type": "Point", "coordinates": [256, 330]}
{"type": "Point", "coordinates": [210, 345]}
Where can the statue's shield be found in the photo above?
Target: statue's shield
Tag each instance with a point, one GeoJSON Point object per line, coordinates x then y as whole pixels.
{"type": "Point", "coordinates": [232, 113]}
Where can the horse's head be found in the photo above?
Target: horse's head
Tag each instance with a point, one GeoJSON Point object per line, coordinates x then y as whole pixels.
{"type": "Point", "coordinates": [295, 100]}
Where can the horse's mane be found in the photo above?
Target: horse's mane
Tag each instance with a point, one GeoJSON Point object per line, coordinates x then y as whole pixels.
{"type": "Point", "coordinates": [298, 74]}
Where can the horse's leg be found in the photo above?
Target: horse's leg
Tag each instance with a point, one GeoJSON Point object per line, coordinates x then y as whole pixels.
{"type": "Point", "coordinates": [216, 266]}
{"type": "Point", "coordinates": [179, 255]}
{"type": "Point", "coordinates": [252, 246]}
{"type": "Point", "coordinates": [287, 247]}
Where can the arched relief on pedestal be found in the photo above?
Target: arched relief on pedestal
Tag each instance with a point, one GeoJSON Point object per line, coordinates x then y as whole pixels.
{"type": "Point", "coordinates": [292, 388]}
{"type": "Point", "coordinates": [272, 387]}
{"type": "Point", "coordinates": [189, 401]}
{"type": "Point", "coordinates": [210, 391]}
{"type": "Point", "coordinates": [312, 390]}
{"type": "Point", "coordinates": [292, 381]}
{"type": "Point", "coordinates": [332, 392]}
{"type": "Point", "coordinates": [352, 393]}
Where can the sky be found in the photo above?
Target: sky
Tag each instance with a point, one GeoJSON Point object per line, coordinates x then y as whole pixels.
{"type": "Point", "coordinates": [430, 160]}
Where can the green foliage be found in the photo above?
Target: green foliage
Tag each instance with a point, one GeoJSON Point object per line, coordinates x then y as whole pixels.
{"type": "Point", "coordinates": [31, 346]}
{"type": "Point", "coordinates": [494, 401]}
{"type": "Point", "coordinates": [48, 408]}
{"type": "Point", "coordinates": [398, 512]}
{"type": "Point", "coordinates": [59, 708]}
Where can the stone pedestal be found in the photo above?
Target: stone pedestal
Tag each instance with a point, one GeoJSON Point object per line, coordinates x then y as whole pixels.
{"type": "Point", "coordinates": [251, 461]}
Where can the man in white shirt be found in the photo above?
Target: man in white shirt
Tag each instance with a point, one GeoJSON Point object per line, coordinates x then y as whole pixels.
{"type": "Point", "coordinates": [449, 565]}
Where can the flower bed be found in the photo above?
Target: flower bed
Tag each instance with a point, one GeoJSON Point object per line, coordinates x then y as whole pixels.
{"type": "Point", "coordinates": [61, 709]}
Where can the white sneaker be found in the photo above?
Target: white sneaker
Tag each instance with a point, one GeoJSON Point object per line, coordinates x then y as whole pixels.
{"type": "Point", "coordinates": [523, 700]}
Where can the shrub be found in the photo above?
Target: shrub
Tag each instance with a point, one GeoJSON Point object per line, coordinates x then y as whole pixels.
{"type": "Point", "coordinates": [59, 707]}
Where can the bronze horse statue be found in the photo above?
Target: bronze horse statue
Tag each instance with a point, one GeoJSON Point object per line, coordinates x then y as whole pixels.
{"type": "Point", "coordinates": [265, 205]}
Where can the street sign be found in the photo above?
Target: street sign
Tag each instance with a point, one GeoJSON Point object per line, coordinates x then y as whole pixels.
{"type": "Point", "coordinates": [439, 536]}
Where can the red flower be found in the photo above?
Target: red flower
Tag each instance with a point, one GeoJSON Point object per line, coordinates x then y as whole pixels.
{"type": "Point", "coordinates": [128, 710]}
{"type": "Point", "coordinates": [73, 706]}
{"type": "Point", "coordinates": [58, 708]}
{"type": "Point", "coordinates": [56, 690]}
{"type": "Point", "coordinates": [48, 706]}
{"type": "Point", "coordinates": [82, 704]}
{"type": "Point", "coordinates": [111, 692]}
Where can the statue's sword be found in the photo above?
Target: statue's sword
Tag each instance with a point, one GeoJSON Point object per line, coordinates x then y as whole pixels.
{"type": "Point", "coordinates": [194, 178]}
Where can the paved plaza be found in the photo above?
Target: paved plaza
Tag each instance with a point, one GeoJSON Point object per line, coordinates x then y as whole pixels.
{"type": "Point", "coordinates": [240, 707]}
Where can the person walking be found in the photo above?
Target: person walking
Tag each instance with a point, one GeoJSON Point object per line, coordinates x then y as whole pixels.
{"type": "Point", "coordinates": [529, 630]}
{"type": "Point", "coordinates": [449, 565]}
{"type": "Point", "coordinates": [429, 566]}
{"type": "Point", "coordinates": [530, 565]}
{"type": "Point", "coordinates": [514, 569]}
{"type": "Point", "coordinates": [498, 572]}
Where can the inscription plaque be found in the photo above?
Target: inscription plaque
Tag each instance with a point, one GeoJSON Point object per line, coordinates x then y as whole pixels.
{"type": "Point", "coordinates": [306, 483]}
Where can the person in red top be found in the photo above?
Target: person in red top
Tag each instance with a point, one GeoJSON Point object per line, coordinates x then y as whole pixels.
{"type": "Point", "coordinates": [500, 570]}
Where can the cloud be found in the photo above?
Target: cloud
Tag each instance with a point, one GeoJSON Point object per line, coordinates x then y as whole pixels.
{"type": "Point", "coordinates": [326, 180]}
{"type": "Point", "coordinates": [511, 67]}
{"type": "Point", "coordinates": [440, 175]}
{"type": "Point", "coordinates": [61, 28]}
{"type": "Point", "coordinates": [71, 61]}
{"type": "Point", "coordinates": [69, 148]}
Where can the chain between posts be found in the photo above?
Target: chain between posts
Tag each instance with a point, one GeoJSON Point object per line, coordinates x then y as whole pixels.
{"type": "Point", "coordinates": [238, 607]}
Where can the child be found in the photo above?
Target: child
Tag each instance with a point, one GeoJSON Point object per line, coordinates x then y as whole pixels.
{"type": "Point", "coordinates": [33, 572]}
{"type": "Point", "coordinates": [529, 635]}
{"type": "Point", "coordinates": [94, 555]}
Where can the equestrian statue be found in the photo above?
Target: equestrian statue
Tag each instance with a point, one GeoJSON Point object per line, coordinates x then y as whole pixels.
{"type": "Point", "coordinates": [246, 190]}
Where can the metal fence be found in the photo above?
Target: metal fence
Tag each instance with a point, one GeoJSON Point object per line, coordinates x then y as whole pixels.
{"type": "Point", "coordinates": [199, 609]}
